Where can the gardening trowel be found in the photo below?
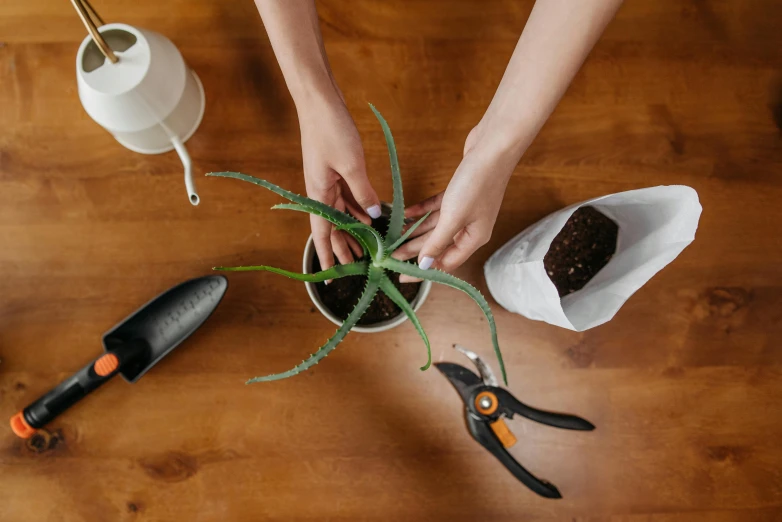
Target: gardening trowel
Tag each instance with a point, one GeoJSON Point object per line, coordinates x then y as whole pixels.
{"type": "Point", "coordinates": [132, 347]}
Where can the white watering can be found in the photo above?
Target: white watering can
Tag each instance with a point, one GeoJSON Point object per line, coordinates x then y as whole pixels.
{"type": "Point", "coordinates": [135, 84]}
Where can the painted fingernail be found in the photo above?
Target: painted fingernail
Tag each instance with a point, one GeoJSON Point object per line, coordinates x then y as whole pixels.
{"type": "Point", "coordinates": [426, 263]}
{"type": "Point", "coordinates": [374, 211]}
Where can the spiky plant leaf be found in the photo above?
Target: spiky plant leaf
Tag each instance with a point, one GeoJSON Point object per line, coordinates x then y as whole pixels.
{"type": "Point", "coordinates": [396, 296]}
{"type": "Point", "coordinates": [335, 272]}
{"type": "Point", "coordinates": [406, 235]}
{"type": "Point", "coordinates": [397, 219]}
{"type": "Point", "coordinates": [363, 233]}
{"type": "Point", "coordinates": [307, 209]}
{"type": "Point", "coordinates": [444, 278]}
{"type": "Point", "coordinates": [376, 249]}
{"type": "Point", "coordinates": [321, 209]}
{"type": "Point", "coordinates": [373, 281]}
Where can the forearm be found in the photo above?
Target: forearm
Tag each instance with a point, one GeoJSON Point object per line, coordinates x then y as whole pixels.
{"type": "Point", "coordinates": [555, 42]}
{"type": "Point", "coordinates": [294, 32]}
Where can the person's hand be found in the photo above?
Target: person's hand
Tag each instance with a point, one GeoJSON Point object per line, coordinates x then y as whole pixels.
{"type": "Point", "coordinates": [462, 217]}
{"type": "Point", "coordinates": [335, 174]}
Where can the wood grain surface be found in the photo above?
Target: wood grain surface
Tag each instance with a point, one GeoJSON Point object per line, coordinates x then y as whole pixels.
{"type": "Point", "coordinates": [684, 384]}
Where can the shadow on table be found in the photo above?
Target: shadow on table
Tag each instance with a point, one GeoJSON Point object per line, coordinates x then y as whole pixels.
{"type": "Point", "coordinates": [422, 454]}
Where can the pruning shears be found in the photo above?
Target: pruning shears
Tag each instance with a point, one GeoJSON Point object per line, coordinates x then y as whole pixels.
{"type": "Point", "coordinates": [486, 405]}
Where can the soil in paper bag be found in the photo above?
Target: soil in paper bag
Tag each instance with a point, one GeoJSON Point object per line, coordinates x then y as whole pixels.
{"type": "Point", "coordinates": [581, 249]}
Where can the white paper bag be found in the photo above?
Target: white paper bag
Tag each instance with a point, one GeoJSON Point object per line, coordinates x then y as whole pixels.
{"type": "Point", "coordinates": [655, 225]}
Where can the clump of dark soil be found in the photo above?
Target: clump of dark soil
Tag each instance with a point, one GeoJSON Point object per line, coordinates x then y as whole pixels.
{"type": "Point", "coordinates": [341, 295]}
{"type": "Point", "coordinates": [581, 249]}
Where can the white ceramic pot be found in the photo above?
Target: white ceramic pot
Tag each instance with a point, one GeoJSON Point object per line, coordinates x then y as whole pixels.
{"type": "Point", "coordinates": [309, 257]}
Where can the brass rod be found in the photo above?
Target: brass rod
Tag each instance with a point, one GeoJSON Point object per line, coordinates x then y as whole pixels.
{"type": "Point", "coordinates": [93, 30]}
{"type": "Point", "coordinates": [93, 13]}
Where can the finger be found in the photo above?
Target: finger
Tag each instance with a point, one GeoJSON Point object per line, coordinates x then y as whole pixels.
{"type": "Point", "coordinates": [410, 249]}
{"type": "Point", "coordinates": [338, 238]}
{"type": "Point", "coordinates": [354, 246]}
{"type": "Point", "coordinates": [409, 279]}
{"type": "Point", "coordinates": [321, 236]}
{"type": "Point", "coordinates": [428, 224]}
{"type": "Point", "coordinates": [321, 229]}
{"type": "Point", "coordinates": [341, 248]}
{"type": "Point", "coordinates": [466, 243]}
{"type": "Point", "coordinates": [438, 240]}
{"type": "Point", "coordinates": [356, 211]}
{"type": "Point", "coordinates": [427, 205]}
{"type": "Point", "coordinates": [351, 205]}
{"type": "Point", "coordinates": [361, 190]}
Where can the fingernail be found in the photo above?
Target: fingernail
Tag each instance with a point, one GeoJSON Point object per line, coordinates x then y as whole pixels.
{"type": "Point", "coordinates": [425, 263]}
{"type": "Point", "coordinates": [374, 211]}
{"type": "Point", "coordinates": [328, 281]}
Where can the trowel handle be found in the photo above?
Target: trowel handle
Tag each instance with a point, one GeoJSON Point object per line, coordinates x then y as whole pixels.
{"type": "Point", "coordinates": [66, 394]}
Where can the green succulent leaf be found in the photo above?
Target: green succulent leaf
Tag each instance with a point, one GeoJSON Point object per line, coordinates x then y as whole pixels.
{"type": "Point", "coordinates": [316, 207]}
{"type": "Point", "coordinates": [335, 272]}
{"type": "Point", "coordinates": [298, 207]}
{"type": "Point", "coordinates": [444, 278]}
{"type": "Point", "coordinates": [363, 233]}
{"type": "Point", "coordinates": [396, 296]}
{"type": "Point", "coordinates": [376, 248]}
{"type": "Point", "coordinates": [406, 235]}
{"type": "Point", "coordinates": [398, 206]}
{"type": "Point", "coordinates": [373, 281]}
{"type": "Point", "coordinates": [301, 203]}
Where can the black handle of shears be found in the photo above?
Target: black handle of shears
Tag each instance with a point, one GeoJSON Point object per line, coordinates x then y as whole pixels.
{"type": "Point", "coordinates": [557, 420]}
{"type": "Point", "coordinates": [483, 434]}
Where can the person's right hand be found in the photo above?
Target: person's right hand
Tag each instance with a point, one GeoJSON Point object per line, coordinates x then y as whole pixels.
{"type": "Point", "coordinates": [335, 174]}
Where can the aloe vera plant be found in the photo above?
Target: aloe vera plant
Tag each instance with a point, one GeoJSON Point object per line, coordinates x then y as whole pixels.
{"type": "Point", "coordinates": [375, 264]}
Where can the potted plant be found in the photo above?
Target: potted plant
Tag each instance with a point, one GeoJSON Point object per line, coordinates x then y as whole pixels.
{"type": "Point", "coordinates": [376, 266]}
{"type": "Point", "coordinates": [336, 300]}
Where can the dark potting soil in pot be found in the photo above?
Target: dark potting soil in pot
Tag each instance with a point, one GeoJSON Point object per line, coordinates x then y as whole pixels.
{"type": "Point", "coordinates": [341, 295]}
{"type": "Point", "coordinates": [581, 249]}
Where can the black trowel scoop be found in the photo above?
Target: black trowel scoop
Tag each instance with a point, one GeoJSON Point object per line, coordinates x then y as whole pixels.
{"type": "Point", "coordinates": [132, 347]}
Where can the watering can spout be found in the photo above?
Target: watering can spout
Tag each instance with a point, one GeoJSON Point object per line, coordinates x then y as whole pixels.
{"type": "Point", "coordinates": [184, 156]}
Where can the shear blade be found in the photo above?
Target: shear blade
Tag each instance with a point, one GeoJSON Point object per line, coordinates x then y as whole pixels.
{"type": "Point", "coordinates": [487, 375]}
{"type": "Point", "coordinates": [460, 377]}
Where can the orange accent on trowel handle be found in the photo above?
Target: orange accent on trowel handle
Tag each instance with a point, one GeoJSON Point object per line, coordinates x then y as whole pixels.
{"type": "Point", "coordinates": [106, 364]}
{"type": "Point", "coordinates": [20, 427]}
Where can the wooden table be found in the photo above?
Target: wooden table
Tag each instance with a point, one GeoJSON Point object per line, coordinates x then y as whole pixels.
{"type": "Point", "coordinates": [683, 385]}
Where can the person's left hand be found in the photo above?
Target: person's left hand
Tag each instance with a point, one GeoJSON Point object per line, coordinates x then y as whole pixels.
{"type": "Point", "coordinates": [463, 216]}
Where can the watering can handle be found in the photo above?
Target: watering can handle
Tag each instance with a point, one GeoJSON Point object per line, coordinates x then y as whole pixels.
{"type": "Point", "coordinates": [92, 21]}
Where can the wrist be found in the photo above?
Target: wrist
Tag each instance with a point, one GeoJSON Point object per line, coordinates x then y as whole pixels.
{"type": "Point", "coordinates": [509, 135]}
{"type": "Point", "coordinates": [499, 146]}
{"type": "Point", "coordinates": [313, 92]}
{"type": "Point", "coordinates": [492, 159]}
